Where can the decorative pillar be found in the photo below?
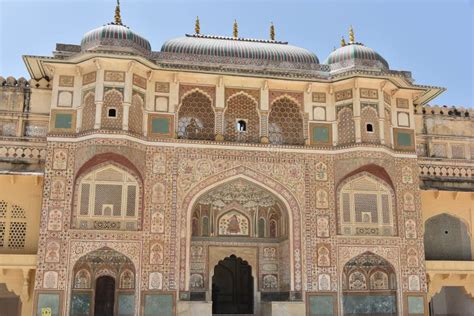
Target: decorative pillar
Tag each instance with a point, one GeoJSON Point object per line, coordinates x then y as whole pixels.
{"type": "Point", "coordinates": [356, 112]}
{"type": "Point", "coordinates": [127, 95]}
{"type": "Point", "coordinates": [99, 95]}
{"type": "Point", "coordinates": [126, 111]}
{"type": "Point", "coordinates": [79, 118]}
{"type": "Point", "coordinates": [381, 110]}
{"type": "Point", "coordinates": [219, 106]}
{"type": "Point", "coordinates": [219, 124]}
{"type": "Point", "coordinates": [264, 127]}
{"type": "Point", "coordinates": [331, 114]}
{"type": "Point", "coordinates": [264, 112]}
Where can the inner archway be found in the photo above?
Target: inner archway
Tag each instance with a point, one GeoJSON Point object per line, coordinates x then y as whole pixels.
{"type": "Point", "coordinates": [104, 302]}
{"type": "Point", "coordinates": [232, 287]}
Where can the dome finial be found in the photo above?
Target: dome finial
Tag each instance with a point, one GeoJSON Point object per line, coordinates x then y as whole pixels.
{"type": "Point", "coordinates": [118, 18]}
{"type": "Point", "coordinates": [236, 29]}
{"type": "Point", "coordinates": [272, 31]}
{"type": "Point", "coordinates": [351, 35]}
{"type": "Point", "coordinates": [343, 42]}
{"type": "Point", "coordinates": [197, 26]}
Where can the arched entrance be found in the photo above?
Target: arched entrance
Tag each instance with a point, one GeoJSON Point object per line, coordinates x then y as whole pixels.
{"type": "Point", "coordinates": [103, 284]}
{"type": "Point", "coordinates": [369, 286]}
{"type": "Point", "coordinates": [232, 287]}
{"type": "Point", "coordinates": [104, 302]}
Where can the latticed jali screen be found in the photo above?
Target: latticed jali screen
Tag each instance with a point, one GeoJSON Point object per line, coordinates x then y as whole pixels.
{"type": "Point", "coordinates": [366, 208]}
{"type": "Point", "coordinates": [241, 107]}
{"type": "Point", "coordinates": [107, 198]}
{"type": "Point", "coordinates": [196, 117]}
{"type": "Point", "coordinates": [285, 123]}
{"type": "Point", "coordinates": [12, 226]}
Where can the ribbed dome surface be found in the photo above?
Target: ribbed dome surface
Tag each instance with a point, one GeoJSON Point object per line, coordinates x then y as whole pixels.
{"type": "Point", "coordinates": [355, 54]}
{"type": "Point", "coordinates": [239, 48]}
{"type": "Point", "coordinates": [114, 36]}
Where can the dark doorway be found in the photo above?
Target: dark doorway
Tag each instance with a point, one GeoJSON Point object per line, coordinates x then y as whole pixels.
{"type": "Point", "coordinates": [232, 287]}
{"type": "Point", "coordinates": [104, 296]}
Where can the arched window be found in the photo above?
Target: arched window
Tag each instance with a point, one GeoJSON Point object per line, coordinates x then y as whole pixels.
{"type": "Point", "coordinates": [366, 207]}
{"type": "Point", "coordinates": [108, 199]}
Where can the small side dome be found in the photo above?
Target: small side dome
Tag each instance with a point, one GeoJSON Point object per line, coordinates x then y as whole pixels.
{"type": "Point", "coordinates": [115, 36]}
{"type": "Point", "coordinates": [355, 55]}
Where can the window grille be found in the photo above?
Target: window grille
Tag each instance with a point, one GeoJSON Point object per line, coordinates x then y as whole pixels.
{"type": "Point", "coordinates": [365, 207]}
{"type": "Point", "coordinates": [108, 195]}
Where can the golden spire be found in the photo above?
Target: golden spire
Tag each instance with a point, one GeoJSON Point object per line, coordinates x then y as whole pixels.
{"type": "Point", "coordinates": [236, 29]}
{"type": "Point", "coordinates": [118, 18]}
{"type": "Point", "coordinates": [351, 35]}
{"type": "Point", "coordinates": [197, 26]}
{"type": "Point", "coordinates": [272, 31]}
{"type": "Point", "coordinates": [343, 42]}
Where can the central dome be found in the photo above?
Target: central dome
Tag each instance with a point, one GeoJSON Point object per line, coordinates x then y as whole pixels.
{"type": "Point", "coordinates": [239, 48]}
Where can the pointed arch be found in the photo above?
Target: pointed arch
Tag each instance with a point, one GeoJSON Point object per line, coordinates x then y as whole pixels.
{"type": "Point", "coordinates": [285, 196]}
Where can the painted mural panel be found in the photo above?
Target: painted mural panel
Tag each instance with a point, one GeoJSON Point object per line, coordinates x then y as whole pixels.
{"type": "Point", "coordinates": [234, 223]}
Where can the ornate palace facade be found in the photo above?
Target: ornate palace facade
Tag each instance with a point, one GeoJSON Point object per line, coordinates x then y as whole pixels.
{"type": "Point", "coordinates": [230, 175]}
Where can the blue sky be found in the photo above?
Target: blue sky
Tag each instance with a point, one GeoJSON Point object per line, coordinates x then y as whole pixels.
{"type": "Point", "coordinates": [431, 38]}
